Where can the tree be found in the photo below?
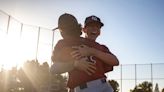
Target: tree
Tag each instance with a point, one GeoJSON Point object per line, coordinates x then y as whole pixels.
{"type": "Point", "coordinates": [23, 76]}
{"type": "Point", "coordinates": [35, 77]}
{"type": "Point", "coordinates": [8, 80]}
{"type": "Point", "coordinates": [58, 83]}
{"type": "Point", "coordinates": [44, 76]}
{"type": "Point", "coordinates": [143, 87]}
{"type": "Point", "coordinates": [156, 88]}
{"type": "Point", "coordinates": [163, 90]}
{"type": "Point", "coordinates": [114, 85]}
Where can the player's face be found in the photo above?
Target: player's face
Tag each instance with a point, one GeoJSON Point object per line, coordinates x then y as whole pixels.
{"type": "Point", "coordinates": [92, 31]}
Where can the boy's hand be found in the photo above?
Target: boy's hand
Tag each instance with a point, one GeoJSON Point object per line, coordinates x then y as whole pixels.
{"type": "Point", "coordinates": [81, 51]}
{"type": "Point", "coordinates": [85, 66]}
{"type": "Point", "coordinates": [80, 54]}
{"type": "Point", "coordinates": [84, 50]}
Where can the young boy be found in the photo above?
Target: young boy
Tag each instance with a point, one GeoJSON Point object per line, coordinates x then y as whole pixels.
{"type": "Point", "coordinates": [70, 31]}
{"type": "Point", "coordinates": [98, 55]}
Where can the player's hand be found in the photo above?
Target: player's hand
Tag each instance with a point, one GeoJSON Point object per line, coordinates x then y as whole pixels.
{"type": "Point", "coordinates": [85, 66]}
{"type": "Point", "coordinates": [81, 51]}
{"type": "Point", "coordinates": [76, 55]}
{"type": "Point", "coordinates": [84, 50]}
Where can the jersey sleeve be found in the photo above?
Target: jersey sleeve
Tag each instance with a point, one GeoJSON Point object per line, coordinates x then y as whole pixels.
{"type": "Point", "coordinates": [58, 47]}
{"type": "Point", "coordinates": [107, 68]}
{"type": "Point", "coordinates": [62, 52]}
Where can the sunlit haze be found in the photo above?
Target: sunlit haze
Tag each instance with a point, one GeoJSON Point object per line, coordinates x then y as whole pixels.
{"type": "Point", "coordinates": [133, 30]}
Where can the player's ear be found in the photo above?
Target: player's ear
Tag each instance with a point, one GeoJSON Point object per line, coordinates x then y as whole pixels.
{"type": "Point", "coordinates": [84, 30]}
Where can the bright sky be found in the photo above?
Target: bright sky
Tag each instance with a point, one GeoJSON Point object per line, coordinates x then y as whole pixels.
{"type": "Point", "coordinates": [133, 31]}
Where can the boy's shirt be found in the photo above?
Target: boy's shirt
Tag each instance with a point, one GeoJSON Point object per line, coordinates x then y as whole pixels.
{"type": "Point", "coordinates": [77, 77]}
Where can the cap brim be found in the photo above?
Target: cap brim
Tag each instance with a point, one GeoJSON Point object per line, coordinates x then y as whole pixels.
{"type": "Point", "coordinates": [55, 28]}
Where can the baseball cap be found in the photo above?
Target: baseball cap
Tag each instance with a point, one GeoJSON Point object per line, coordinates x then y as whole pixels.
{"type": "Point", "coordinates": [93, 19]}
{"type": "Point", "coordinates": [66, 21]}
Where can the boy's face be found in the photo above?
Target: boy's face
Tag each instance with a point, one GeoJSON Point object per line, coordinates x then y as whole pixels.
{"type": "Point", "coordinates": [92, 31]}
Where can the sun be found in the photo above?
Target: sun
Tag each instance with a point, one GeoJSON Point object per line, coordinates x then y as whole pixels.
{"type": "Point", "coordinates": [10, 52]}
{"type": "Point", "coordinates": [17, 47]}
{"type": "Point", "coordinates": [14, 51]}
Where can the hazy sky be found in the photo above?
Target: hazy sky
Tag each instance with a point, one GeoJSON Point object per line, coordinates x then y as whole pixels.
{"type": "Point", "coordinates": [133, 30]}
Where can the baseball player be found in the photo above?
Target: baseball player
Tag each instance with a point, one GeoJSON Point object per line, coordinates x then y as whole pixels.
{"type": "Point", "coordinates": [98, 55]}
{"type": "Point", "coordinates": [67, 22]}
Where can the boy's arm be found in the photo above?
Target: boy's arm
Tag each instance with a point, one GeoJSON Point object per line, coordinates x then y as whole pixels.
{"type": "Point", "coordinates": [59, 67]}
{"type": "Point", "coordinates": [62, 55]}
{"type": "Point", "coordinates": [107, 58]}
{"type": "Point", "coordinates": [64, 62]}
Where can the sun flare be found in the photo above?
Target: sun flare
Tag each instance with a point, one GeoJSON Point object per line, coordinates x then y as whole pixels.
{"type": "Point", "coordinates": [15, 50]}
{"type": "Point", "coordinates": [10, 52]}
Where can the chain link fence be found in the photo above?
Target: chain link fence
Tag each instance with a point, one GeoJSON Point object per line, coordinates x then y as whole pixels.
{"type": "Point", "coordinates": [29, 42]}
{"type": "Point", "coordinates": [128, 76]}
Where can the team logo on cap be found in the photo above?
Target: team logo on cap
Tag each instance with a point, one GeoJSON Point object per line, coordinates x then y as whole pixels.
{"type": "Point", "coordinates": [94, 18]}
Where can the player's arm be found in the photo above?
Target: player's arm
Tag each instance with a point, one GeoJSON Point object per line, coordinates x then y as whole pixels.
{"type": "Point", "coordinates": [60, 67]}
{"type": "Point", "coordinates": [62, 55]}
{"type": "Point", "coordinates": [64, 62]}
{"type": "Point", "coordinates": [107, 58]}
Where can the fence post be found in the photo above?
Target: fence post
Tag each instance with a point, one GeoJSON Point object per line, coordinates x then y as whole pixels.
{"type": "Point", "coordinates": [151, 75]}
{"type": "Point", "coordinates": [21, 30]}
{"type": "Point", "coordinates": [8, 24]}
{"type": "Point", "coordinates": [37, 44]}
{"type": "Point", "coordinates": [135, 66]}
{"type": "Point", "coordinates": [52, 43]}
{"type": "Point", "coordinates": [121, 76]}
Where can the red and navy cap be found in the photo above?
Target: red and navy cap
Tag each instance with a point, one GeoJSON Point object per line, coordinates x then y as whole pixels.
{"type": "Point", "coordinates": [93, 19]}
